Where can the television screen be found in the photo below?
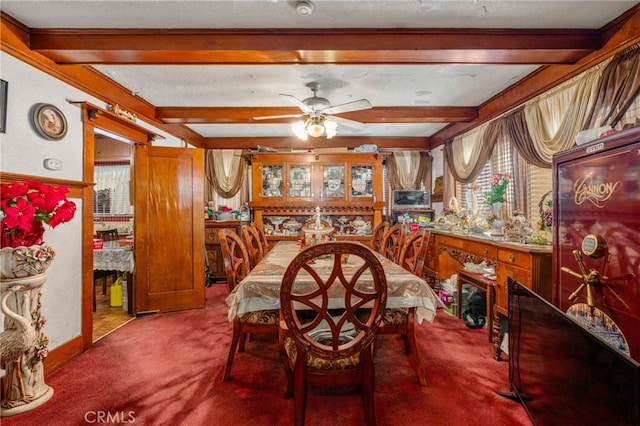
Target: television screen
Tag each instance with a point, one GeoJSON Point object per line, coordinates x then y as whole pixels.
{"type": "Point", "coordinates": [411, 199]}
{"type": "Point", "coordinates": [563, 374]}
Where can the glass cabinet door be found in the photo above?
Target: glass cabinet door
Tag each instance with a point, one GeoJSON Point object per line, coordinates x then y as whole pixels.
{"type": "Point", "coordinates": [272, 180]}
{"type": "Point", "coordinates": [361, 181]}
{"type": "Point", "coordinates": [333, 182]}
{"type": "Point", "coordinates": [300, 181]}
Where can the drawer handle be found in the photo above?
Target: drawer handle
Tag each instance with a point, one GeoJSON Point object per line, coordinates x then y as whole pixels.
{"type": "Point", "coordinates": [512, 258]}
{"type": "Point", "coordinates": [485, 251]}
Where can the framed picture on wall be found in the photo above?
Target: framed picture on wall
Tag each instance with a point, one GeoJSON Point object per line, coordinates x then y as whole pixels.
{"type": "Point", "coordinates": [4, 86]}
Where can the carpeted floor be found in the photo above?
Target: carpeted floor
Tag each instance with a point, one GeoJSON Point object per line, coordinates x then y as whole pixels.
{"type": "Point", "coordinates": [166, 370]}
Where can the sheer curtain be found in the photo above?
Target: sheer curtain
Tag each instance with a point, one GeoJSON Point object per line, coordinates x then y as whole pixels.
{"type": "Point", "coordinates": [115, 178]}
{"type": "Point", "coordinates": [410, 170]}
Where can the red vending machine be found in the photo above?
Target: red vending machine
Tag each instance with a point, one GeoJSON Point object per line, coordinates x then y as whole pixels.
{"type": "Point", "coordinates": [596, 248]}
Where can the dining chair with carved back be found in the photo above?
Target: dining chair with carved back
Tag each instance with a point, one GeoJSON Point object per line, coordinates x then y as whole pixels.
{"type": "Point", "coordinates": [324, 347]}
{"type": "Point", "coordinates": [401, 321]}
{"type": "Point", "coordinates": [236, 267]}
{"type": "Point", "coordinates": [254, 245]}
{"type": "Point", "coordinates": [263, 238]}
{"type": "Point", "coordinates": [378, 234]}
{"type": "Point", "coordinates": [105, 235]}
{"type": "Point", "coordinates": [393, 241]}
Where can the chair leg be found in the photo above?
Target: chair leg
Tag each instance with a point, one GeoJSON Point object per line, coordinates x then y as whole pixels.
{"type": "Point", "coordinates": [367, 390]}
{"type": "Point", "coordinates": [414, 356]}
{"type": "Point", "coordinates": [243, 340]}
{"type": "Point", "coordinates": [104, 285]}
{"type": "Point", "coordinates": [299, 391]}
{"type": "Point", "coordinates": [232, 350]}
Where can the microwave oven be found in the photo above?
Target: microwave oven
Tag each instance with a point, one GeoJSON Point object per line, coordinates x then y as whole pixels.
{"type": "Point", "coordinates": [411, 199]}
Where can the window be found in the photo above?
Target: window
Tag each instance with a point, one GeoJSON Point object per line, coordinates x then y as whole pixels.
{"type": "Point", "coordinates": [112, 190]}
{"type": "Point", "coordinates": [537, 182]}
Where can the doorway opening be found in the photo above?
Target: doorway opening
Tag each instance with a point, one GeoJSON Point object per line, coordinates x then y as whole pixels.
{"type": "Point", "coordinates": [113, 228]}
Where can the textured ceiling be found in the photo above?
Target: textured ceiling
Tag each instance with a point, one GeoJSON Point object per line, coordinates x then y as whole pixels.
{"type": "Point", "coordinates": [465, 79]}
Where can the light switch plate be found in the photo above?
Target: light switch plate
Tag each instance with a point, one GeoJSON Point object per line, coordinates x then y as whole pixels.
{"type": "Point", "coordinates": [52, 164]}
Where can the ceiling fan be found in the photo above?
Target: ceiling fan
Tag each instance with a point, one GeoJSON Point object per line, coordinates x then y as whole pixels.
{"type": "Point", "coordinates": [320, 114]}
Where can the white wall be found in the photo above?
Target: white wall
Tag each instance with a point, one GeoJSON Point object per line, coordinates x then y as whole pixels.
{"type": "Point", "coordinates": [23, 151]}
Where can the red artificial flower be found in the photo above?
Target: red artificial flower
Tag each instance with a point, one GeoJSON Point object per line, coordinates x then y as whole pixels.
{"type": "Point", "coordinates": [19, 215]}
{"type": "Point", "coordinates": [26, 206]}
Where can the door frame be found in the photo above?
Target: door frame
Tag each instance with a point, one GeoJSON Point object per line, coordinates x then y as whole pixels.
{"type": "Point", "coordinates": [93, 118]}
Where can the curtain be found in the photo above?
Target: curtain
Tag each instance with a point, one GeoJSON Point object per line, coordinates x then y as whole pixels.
{"type": "Point", "coordinates": [618, 88]}
{"type": "Point", "coordinates": [516, 130]}
{"type": "Point", "coordinates": [409, 170]}
{"type": "Point", "coordinates": [225, 170]}
{"type": "Point", "coordinates": [466, 155]}
{"type": "Point", "coordinates": [556, 117]}
{"type": "Point", "coordinates": [116, 179]}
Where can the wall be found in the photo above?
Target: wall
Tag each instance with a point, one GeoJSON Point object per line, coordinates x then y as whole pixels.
{"type": "Point", "coordinates": [23, 151]}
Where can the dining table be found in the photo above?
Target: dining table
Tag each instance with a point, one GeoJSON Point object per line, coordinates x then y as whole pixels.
{"type": "Point", "coordinates": [113, 256]}
{"type": "Point", "coordinates": [260, 289]}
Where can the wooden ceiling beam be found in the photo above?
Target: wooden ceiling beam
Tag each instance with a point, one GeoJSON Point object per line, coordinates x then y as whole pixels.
{"type": "Point", "coordinates": [335, 142]}
{"type": "Point", "coordinates": [235, 115]}
{"type": "Point", "coordinates": [307, 46]}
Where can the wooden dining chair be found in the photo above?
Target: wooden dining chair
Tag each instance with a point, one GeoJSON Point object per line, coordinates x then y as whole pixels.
{"type": "Point", "coordinates": [393, 241]}
{"type": "Point", "coordinates": [378, 233]}
{"type": "Point", "coordinates": [236, 267]}
{"type": "Point", "coordinates": [401, 321]}
{"type": "Point", "coordinates": [105, 235]}
{"type": "Point", "coordinates": [327, 348]}
{"type": "Point", "coordinates": [254, 245]}
{"type": "Point", "coordinates": [263, 238]}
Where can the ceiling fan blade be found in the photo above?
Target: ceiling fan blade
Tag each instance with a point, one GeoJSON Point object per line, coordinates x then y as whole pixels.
{"type": "Point", "coordinates": [352, 124]}
{"type": "Point", "coordinates": [349, 106]}
{"type": "Point", "coordinates": [297, 102]}
{"type": "Point", "coordinates": [273, 117]}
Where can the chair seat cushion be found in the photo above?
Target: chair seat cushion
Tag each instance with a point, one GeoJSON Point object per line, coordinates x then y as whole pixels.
{"type": "Point", "coordinates": [392, 316]}
{"type": "Point", "coordinates": [321, 363]}
{"type": "Point", "coordinates": [261, 317]}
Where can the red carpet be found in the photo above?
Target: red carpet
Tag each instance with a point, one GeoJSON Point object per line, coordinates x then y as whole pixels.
{"type": "Point", "coordinates": [166, 370]}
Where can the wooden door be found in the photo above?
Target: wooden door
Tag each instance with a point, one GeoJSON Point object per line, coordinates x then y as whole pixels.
{"type": "Point", "coordinates": [169, 229]}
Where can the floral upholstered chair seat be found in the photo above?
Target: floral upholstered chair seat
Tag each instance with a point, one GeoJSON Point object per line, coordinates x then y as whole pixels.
{"type": "Point", "coordinates": [320, 363]}
{"type": "Point", "coordinates": [261, 317]}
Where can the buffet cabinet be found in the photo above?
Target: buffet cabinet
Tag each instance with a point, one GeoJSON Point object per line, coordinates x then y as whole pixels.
{"type": "Point", "coordinates": [288, 189]}
{"type": "Point", "coordinates": [528, 263]}
{"type": "Point", "coordinates": [212, 245]}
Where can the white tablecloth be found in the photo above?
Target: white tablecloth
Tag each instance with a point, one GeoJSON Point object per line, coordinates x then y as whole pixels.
{"type": "Point", "coordinates": [260, 290]}
{"type": "Point", "coordinates": [117, 259]}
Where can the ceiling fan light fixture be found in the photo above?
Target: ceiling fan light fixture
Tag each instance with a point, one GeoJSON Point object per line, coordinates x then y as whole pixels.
{"type": "Point", "coordinates": [315, 130]}
{"type": "Point", "coordinates": [304, 8]}
{"type": "Point", "coordinates": [330, 128]}
{"type": "Point", "coordinates": [299, 128]}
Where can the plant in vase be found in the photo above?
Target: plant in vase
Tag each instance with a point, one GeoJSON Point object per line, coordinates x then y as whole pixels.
{"type": "Point", "coordinates": [496, 197]}
{"type": "Point", "coordinates": [24, 209]}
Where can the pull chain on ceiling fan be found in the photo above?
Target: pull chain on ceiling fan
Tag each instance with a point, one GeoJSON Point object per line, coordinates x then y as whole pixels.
{"type": "Point", "coordinates": [320, 114]}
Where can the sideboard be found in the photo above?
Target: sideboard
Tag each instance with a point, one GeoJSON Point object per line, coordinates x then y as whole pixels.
{"type": "Point", "coordinates": [212, 245]}
{"type": "Point", "coordinates": [528, 263]}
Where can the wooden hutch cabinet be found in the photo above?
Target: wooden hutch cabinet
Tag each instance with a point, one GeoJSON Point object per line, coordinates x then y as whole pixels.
{"type": "Point", "coordinates": [289, 187]}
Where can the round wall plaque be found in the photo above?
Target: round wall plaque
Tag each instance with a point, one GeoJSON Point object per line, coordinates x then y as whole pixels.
{"type": "Point", "coordinates": [49, 122]}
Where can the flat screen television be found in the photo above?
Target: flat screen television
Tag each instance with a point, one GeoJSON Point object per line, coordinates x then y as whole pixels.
{"type": "Point", "coordinates": [411, 199]}
{"type": "Point", "coordinates": [562, 373]}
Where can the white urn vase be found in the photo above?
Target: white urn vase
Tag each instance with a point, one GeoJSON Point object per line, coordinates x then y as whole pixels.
{"type": "Point", "coordinates": [23, 344]}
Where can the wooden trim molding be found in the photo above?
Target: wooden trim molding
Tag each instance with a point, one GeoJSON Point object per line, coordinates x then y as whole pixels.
{"type": "Point", "coordinates": [76, 188]}
{"type": "Point", "coordinates": [62, 354]}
